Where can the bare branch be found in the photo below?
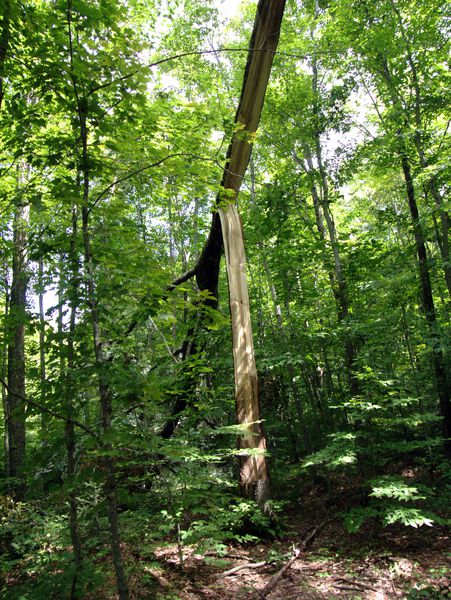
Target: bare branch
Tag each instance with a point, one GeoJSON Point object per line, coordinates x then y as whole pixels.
{"type": "Point", "coordinates": [256, 565]}
{"type": "Point", "coordinates": [170, 352]}
{"type": "Point", "coordinates": [102, 86]}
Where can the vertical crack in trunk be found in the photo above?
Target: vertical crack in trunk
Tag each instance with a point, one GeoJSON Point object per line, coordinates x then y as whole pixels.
{"type": "Point", "coordinates": [226, 232]}
{"type": "Point", "coordinates": [254, 474]}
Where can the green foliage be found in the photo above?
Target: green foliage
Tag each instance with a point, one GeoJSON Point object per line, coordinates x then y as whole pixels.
{"type": "Point", "coordinates": [429, 592]}
{"type": "Point", "coordinates": [393, 500]}
{"type": "Point", "coordinates": [340, 452]}
{"type": "Point", "coordinates": [331, 263]}
{"type": "Point", "coordinates": [33, 540]}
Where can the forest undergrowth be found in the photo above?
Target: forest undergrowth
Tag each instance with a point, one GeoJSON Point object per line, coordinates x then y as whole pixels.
{"type": "Point", "coordinates": [303, 550]}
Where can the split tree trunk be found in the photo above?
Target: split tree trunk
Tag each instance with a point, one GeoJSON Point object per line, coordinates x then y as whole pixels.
{"type": "Point", "coordinates": [226, 231]}
{"type": "Point", "coordinates": [254, 475]}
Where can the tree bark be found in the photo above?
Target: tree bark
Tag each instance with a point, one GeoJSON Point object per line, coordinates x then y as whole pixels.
{"type": "Point", "coordinates": [428, 306]}
{"type": "Point", "coordinates": [4, 41]}
{"type": "Point", "coordinates": [69, 395]}
{"type": "Point", "coordinates": [14, 404]}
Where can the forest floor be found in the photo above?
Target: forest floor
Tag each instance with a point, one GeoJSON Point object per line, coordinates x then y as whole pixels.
{"type": "Point", "coordinates": [397, 563]}
{"type": "Point", "coordinates": [322, 560]}
{"type": "Point", "coordinates": [377, 563]}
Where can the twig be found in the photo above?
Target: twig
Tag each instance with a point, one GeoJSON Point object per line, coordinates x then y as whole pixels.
{"type": "Point", "coordinates": [215, 553]}
{"type": "Point", "coordinates": [145, 168]}
{"type": "Point", "coordinates": [347, 587]}
{"type": "Point", "coordinates": [258, 592]}
{"type": "Point", "coordinates": [217, 50]}
{"type": "Point", "coordinates": [241, 567]}
{"type": "Point", "coordinates": [170, 352]}
{"type": "Point", "coordinates": [356, 583]}
{"type": "Point", "coordinates": [392, 584]}
{"type": "Point", "coordinates": [314, 532]}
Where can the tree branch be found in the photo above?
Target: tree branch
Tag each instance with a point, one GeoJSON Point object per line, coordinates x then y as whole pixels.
{"type": "Point", "coordinates": [185, 277]}
{"type": "Point", "coordinates": [218, 50]}
{"type": "Point", "coordinates": [51, 412]}
{"type": "Point", "coordinates": [145, 168]}
{"type": "Point", "coordinates": [102, 86]}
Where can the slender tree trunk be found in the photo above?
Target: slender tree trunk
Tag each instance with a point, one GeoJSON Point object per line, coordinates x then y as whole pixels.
{"type": "Point", "coordinates": [413, 367]}
{"type": "Point", "coordinates": [298, 403]}
{"type": "Point", "coordinates": [321, 204]}
{"type": "Point", "coordinates": [4, 346]}
{"type": "Point", "coordinates": [443, 239]}
{"type": "Point", "coordinates": [105, 400]}
{"type": "Point", "coordinates": [69, 402]}
{"type": "Point", "coordinates": [14, 405]}
{"type": "Point", "coordinates": [195, 242]}
{"type": "Point", "coordinates": [340, 285]}
{"type": "Point", "coordinates": [4, 41]}
{"type": "Point", "coordinates": [101, 362]}
{"type": "Point", "coordinates": [337, 277]}
{"type": "Point", "coordinates": [431, 184]}
{"type": "Point", "coordinates": [42, 369]}
{"type": "Point", "coordinates": [427, 301]}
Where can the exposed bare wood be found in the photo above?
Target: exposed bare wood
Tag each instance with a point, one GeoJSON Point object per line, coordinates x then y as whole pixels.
{"type": "Point", "coordinates": [254, 475]}
{"type": "Point", "coordinates": [238, 568]}
{"type": "Point", "coordinates": [226, 232]}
